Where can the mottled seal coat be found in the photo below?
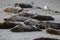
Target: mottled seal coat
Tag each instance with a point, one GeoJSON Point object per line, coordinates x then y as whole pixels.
{"type": "Point", "coordinates": [23, 28]}
{"type": "Point", "coordinates": [51, 30]}
{"type": "Point", "coordinates": [17, 18]}
{"type": "Point", "coordinates": [7, 25]}
{"type": "Point", "coordinates": [32, 22]}
{"type": "Point", "coordinates": [54, 25]}
{"type": "Point", "coordinates": [11, 10]}
{"type": "Point", "coordinates": [25, 14]}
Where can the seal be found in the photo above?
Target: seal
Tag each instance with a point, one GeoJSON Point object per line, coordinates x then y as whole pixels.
{"type": "Point", "coordinates": [43, 17]}
{"type": "Point", "coordinates": [24, 28]}
{"type": "Point", "coordinates": [7, 25]}
{"type": "Point", "coordinates": [16, 18]}
{"type": "Point", "coordinates": [23, 5]}
{"type": "Point", "coordinates": [51, 30]}
{"type": "Point", "coordinates": [32, 22]}
{"type": "Point", "coordinates": [11, 10]}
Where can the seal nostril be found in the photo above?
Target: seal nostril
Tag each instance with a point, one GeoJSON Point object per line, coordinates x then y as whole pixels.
{"type": "Point", "coordinates": [5, 19]}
